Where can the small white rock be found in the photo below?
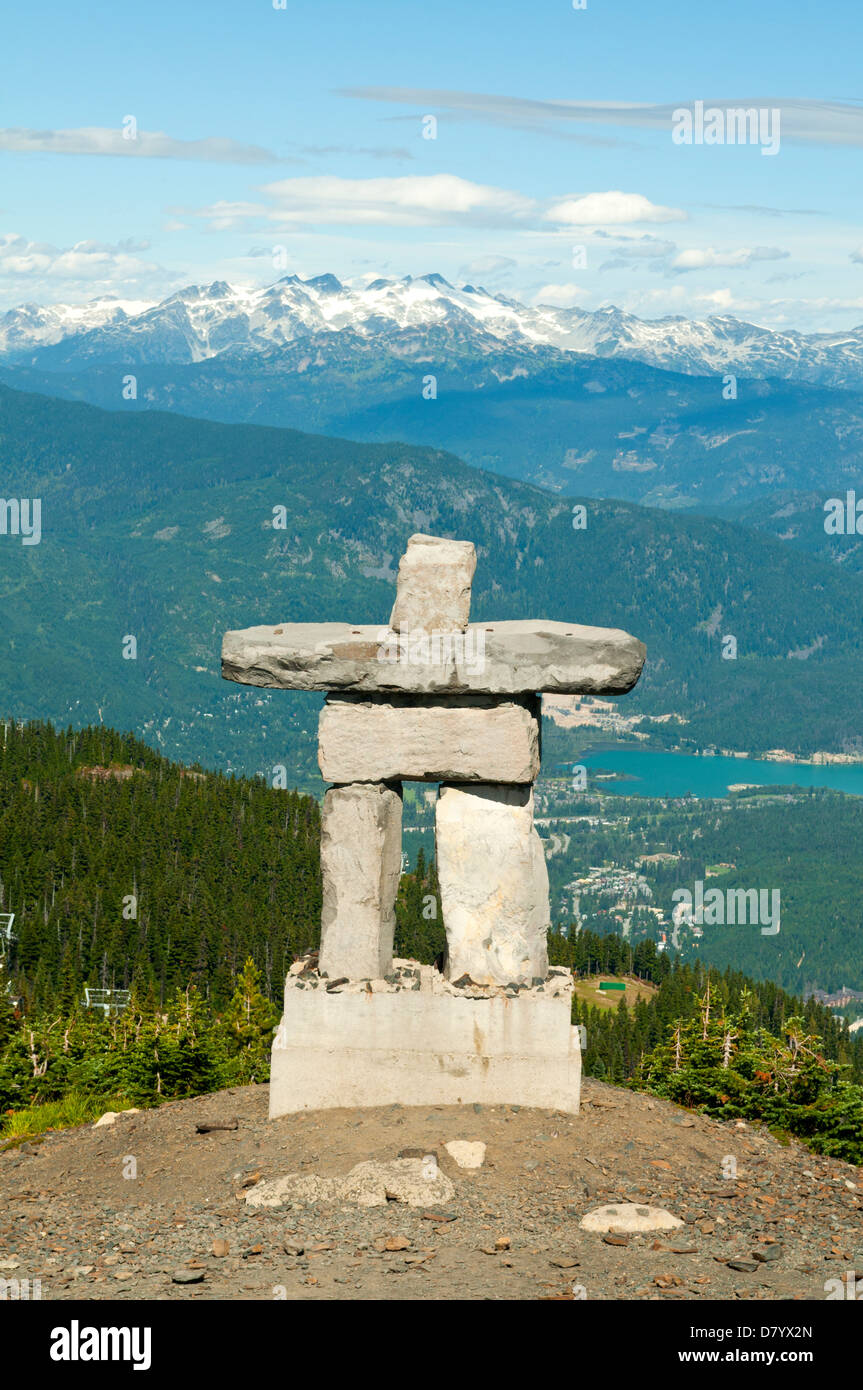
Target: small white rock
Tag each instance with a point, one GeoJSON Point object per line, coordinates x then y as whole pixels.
{"type": "Point", "coordinates": [465, 1153]}
{"type": "Point", "coordinates": [620, 1218]}
{"type": "Point", "coordinates": [110, 1116]}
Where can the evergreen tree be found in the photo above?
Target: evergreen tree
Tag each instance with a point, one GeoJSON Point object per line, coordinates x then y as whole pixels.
{"type": "Point", "coordinates": [248, 1024]}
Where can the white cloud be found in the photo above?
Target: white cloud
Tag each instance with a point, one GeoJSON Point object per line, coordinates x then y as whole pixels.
{"type": "Point", "coordinates": [822, 305]}
{"type": "Point", "coordinates": [425, 200]}
{"type": "Point", "coordinates": [366, 151]}
{"type": "Point", "coordinates": [806, 315]}
{"type": "Point", "coordinates": [716, 299]}
{"type": "Point", "coordinates": [148, 144]}
{"type": "Point", "coordinates": [707, 257]}
{"type": "Point", "coordinates": [224, 216]}
{"type": "Point", "coordinates": [85, 268]}
{"type": "Point", "coordinates": [614, 207]}
{"type": "Point", "coordinates": [410, 201]}
{"type": "Point", "coordinates": [631, 252]}
{"type": "Point", "coordinates": [858, 255]}
{"type": "Point", "coordinates": [86, 258]}
{"type": "Point", "coordinates": [647, 248]}
{"type": "Point", "coordinates": [561, 296]}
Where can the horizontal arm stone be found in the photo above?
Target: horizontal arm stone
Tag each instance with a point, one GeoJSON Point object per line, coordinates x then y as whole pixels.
{"type": "Point", "coordinates": [505, 658]}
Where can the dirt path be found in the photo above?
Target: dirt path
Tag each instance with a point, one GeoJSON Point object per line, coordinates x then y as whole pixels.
{"type": "Point", "coordinates": [71, 1219]}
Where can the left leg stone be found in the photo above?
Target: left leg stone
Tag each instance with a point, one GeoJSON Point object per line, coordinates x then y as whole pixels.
{"type": "Point", "coordinates": [361, 848]}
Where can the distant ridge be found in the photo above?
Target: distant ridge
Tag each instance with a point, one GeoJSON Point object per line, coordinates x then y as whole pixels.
{"type": "Point", "coordinates": [162, 526]}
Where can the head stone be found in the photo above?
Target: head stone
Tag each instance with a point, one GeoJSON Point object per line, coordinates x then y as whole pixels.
{"type": "Point", "coordinates": [434, 584]}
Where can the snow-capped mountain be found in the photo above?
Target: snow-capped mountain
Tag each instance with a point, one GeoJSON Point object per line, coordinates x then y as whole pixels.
{"type": "Point", "coordinates": [34, 325]}
{"type": "Point", "coordinates": [721, 343]}
{"type": "Point", "coordinates": [220, 320]}
{"type": "Point", "coordinates": [407, 317]}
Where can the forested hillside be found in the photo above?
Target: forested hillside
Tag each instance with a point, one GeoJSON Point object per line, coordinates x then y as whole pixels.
{"type": "Point", "coordinates": [803, 521]}
{"type": "Point", "coordinates": [722, 1044]}
{"type": "Point", "coordinates": [171, 531]}
{"type": "Point", "coordinates": [126, 871]}
{"type": "Point", "coordinates": [619, 1039]}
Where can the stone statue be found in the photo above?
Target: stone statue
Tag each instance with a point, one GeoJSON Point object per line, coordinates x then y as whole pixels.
{"type": "Point", "coordinates": [431, 697]}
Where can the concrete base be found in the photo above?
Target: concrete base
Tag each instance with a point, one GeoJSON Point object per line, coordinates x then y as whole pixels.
{"type": "Point", "coordinates": [419, 1040]}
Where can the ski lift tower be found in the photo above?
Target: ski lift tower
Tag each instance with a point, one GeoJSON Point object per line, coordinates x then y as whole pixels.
{"type": "Point", "coordinates": [111, 1001]}
{"type": "Point", "coordinates": [7, 936]}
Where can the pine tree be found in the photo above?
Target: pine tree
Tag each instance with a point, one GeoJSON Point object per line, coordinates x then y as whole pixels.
{"type": "Point", "coordinates": [247, 1026]}
{"type": "Point", "coordinates": [250, 1015]}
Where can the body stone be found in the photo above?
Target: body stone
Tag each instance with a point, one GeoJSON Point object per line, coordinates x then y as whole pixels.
{"type": "Point", "coordinates": [478, 739]}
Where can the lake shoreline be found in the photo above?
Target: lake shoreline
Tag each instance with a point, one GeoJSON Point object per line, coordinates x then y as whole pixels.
{"type": "Point", "coordinates": [663, 773]}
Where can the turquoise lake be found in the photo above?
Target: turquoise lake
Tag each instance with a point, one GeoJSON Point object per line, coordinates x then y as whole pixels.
{"type": "Point", "coordinates": [675, 774]}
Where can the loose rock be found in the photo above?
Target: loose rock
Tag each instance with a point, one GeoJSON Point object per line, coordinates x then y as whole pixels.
{"type": "Point", "coordinates": [623, 1217]}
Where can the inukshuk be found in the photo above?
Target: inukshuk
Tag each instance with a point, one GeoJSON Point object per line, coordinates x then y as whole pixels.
{"type": "Point", "coordinates": [434, 698]}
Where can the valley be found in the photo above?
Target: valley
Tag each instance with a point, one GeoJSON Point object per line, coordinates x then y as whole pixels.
{"type": "Point", "coordinates": [615, 861]}
{"type": "Point", "coordinates": [161, 527]}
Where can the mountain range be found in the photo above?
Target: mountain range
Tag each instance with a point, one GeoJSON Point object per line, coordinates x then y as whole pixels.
{"type": "Point", "coordinates": [202, 322]}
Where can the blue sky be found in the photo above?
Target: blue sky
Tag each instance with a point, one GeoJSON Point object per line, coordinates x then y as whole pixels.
{"type": "Point", "coordinates": [553, 177]}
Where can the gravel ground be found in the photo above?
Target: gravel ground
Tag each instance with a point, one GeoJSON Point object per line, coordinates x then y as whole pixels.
{"type": "Point", "coordinates": [151, 1209]}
